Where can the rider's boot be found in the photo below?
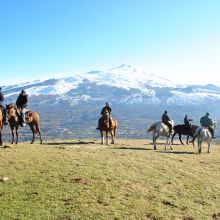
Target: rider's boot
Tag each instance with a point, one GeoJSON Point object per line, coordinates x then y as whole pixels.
{"type": "Point", "coordinates": [23, 124]}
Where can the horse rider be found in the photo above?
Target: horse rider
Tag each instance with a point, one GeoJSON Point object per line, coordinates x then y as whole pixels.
{"type": "Point", "coordinates": [167, 121]}
{"type": "Point", "coordinates": [3, 109]}
{"type": "Point", "coordinates": [207, 122]}
{"type": "Point", "coordinates": [187, 122]}
{"type": "Point", "coordinates": [22, 104]}
{"type": "Point", "coordinates": [109, 109]}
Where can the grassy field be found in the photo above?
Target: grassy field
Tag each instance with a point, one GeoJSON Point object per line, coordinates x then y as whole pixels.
{"type": "Point", "coordinates": [84, 180]}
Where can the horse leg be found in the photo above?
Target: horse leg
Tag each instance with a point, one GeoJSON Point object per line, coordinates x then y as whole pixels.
{"type": "Point", "coordinates": [187, 140]}
{"type": "Point", "coordinates": [112, 135]}
{"type": "Point", "coordinates": [199, 146]}
{"type": "Point", "coordinates": [102, 137]}
{"type": "Point", "coordinates": [154, 141]}
{"type": "Point", "coordinates": [180, 139]}
{"type": "Point", "coordinates": [209, 145]}
{"type": "Point", "coordinates": [33, 132]}
{"type": "Point", "coordinates": [12, 135]}
{"type": "Point", "coordinates": [173, 136]}
{"type": "Point", "coordinates": [169, 139]}
{"type": "Point", "coordinates": [107, 141]}
{"type": "Point", "coordinates": [41, 142]}
{"type": "Point", "coordinates": [38, 131]}
{"type": "Point", "coordinates": [16, 132]}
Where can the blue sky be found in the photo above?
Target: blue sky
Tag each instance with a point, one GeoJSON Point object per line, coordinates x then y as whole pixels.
{"type": "Point", "coordinates": [179, 40]}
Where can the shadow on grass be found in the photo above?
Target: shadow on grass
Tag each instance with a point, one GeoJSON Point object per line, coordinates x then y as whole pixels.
{"type": "Point", "coordinates": [175, 152]}
{"type": "Point", "coordinates": [130, 148]}
{"type": "Point", "coordinates": [70, 143]}
{"type": "Point", "coordinates": [174, 144]}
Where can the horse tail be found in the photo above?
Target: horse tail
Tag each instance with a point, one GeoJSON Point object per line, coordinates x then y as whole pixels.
{"type": "Point", "coordinates": [152, 126]}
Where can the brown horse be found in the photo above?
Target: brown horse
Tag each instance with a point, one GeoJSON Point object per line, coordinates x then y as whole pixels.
{"type": "Point", "coordinates": [105, 127]}
{"type": "Point", "coordinates": [32, 119]}
{"type": "Point", "coordinates": [1, 125]}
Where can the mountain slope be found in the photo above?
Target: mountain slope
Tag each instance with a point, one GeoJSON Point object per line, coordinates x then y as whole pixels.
{"type": "Point", "coordinates": [73, 103]}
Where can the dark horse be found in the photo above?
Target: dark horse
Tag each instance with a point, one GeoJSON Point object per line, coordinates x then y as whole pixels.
{"type": "Point", "coordinates": [105, 127]}
{"type": "Point", "coordinates": [32, 119]}
{"type": "Point", "coordinates": [182, 130]}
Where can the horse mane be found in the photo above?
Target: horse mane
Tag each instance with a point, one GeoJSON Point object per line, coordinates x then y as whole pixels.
{"type": "Point", "coordinates": [11, 105]}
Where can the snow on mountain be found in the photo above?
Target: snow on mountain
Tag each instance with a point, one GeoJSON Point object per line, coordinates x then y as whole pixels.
{"type": "Point", "coordinates": [123, 76]}
{"type": "Point", "coordinates": [138, 98]}
{"type": "Point", "coordinates": [130, 85]}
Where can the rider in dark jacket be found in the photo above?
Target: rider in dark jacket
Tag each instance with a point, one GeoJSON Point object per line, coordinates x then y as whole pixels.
{"type": "Point", "coordinates": [3, 109]}
{"type": "Point", "coordinates": [187, 121]}
{"type": "Point", "coordinates": [207, 122]}
{"type": "Point", "coordinates": [167, 121]}
{"type": "Point", "coordinates": [22, 103]}
{"type": "Point", "coordinates": [187, 124]}
{"type": "Point", "coordinates": [109, 109]}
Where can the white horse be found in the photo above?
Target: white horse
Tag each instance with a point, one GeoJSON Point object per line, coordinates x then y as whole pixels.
{"type": "Point", "coordinates": [160, 129]}
{"type": "Point", "coordinates": [203, 134]}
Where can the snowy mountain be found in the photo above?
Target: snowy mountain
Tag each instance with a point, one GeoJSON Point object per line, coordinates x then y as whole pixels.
{"type": "Point", "coordinates": [137, 97]}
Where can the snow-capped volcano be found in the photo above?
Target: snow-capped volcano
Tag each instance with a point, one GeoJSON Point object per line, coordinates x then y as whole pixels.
{"type": "Point", "coordinates": [123, 76]}
{"type": "Point", "coordinates": [136, 97]}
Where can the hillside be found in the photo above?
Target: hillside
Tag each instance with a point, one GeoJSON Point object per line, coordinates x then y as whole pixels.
{"type": "Point", "coordinates": [70, 105]}
{"type": "Point", "coordinates": [80, 179]}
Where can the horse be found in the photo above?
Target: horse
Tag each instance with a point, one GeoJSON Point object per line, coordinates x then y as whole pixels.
{"type": "Point", "coordinates": [1, 126]}
{"type": "Point", "coordinates": [182, 130]}
{"type": "Point", "coordinates": [203, 134]}
{"type": "Point", "coordinates": [105, 127]}
{"type": "Point", "coordinates": [32, 119]}
{"type": "Point", "coordinates": [160, 129]}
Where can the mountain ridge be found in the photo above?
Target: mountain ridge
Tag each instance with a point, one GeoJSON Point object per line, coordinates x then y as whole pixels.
{"type": "Point", "coordinates": [138, 98]}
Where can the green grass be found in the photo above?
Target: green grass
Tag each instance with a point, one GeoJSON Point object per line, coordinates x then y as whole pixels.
{"type": "Point", "coordinates": [129, 180]}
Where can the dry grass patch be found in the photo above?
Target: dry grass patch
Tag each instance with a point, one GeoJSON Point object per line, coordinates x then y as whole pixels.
{"type": "Point", "coordinates": [84, 180]}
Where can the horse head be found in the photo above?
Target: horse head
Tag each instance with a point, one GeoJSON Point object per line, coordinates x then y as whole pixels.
{"type": "Point", "coordinates": [11, 111]}
{"type": "Point", "coordinates": [106, 113]}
